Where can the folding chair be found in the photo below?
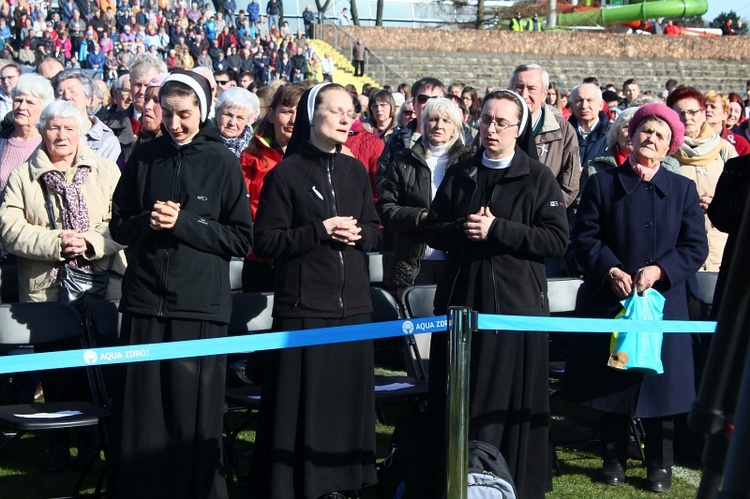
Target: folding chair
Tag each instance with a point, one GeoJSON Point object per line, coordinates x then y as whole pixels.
{"type": "Point", "coordinates": [702, 285]}
{"type": "Point", "coordinates": [391, 388]}
{"type": "Point", "coordinates": [417, 301]}
{"type": "Point", "coordinates": [375, 262]}
{"type": "Point", "coordinates": [44, 323]}
{"type": "Point", "coordinates": [8, 283]}
{"type": "Point", "coordinates": [235, 273]}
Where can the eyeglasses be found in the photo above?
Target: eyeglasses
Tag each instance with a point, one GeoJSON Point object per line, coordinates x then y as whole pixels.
{"type": "Point", "coordinates": [124, 90]}
{"type": "Point", "coordinates": [422, 98]}
{"type": "Point", "coordinates": [689, 113]}
{"type": "Point", "coordinates": [6, 78]}
{"type": "Point", "coordinates": [500, 125]}
{"type": "Point", "coordinates": [339, 113]}
{"type": "Point", "coordinates": [407, 112]}
{"type": "Point", "coordinates": [222, 82]}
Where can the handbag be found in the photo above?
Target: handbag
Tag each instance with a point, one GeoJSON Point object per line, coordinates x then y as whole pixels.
{"type": "Point", "coordinates": [79, 287]}
{"type": "Point", "coordinates": [639, 351]}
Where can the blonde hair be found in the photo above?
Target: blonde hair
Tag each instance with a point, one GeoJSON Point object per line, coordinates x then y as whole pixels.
{"type": "Point", "coordinates": [441, 106]}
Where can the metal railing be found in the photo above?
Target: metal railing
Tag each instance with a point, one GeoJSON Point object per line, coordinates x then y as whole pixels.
{"type": "Point", "coordinates": [375, 67]}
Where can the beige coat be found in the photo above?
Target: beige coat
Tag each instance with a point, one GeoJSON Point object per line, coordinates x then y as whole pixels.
{"type": "Point", "coordinates": [705, 178]}
{"type": "Point", "coordinates": [25, 228]}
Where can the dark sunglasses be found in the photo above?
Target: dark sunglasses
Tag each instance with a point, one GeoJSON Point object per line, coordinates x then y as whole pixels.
{"type": "Point", "coordinates": [422, 98]}
{"type": "Point", "coordinates": [222, 82]}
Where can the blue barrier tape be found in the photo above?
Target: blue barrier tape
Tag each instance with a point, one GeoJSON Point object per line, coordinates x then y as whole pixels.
{"type": "Point", "coordinates": [578, 325]}
{"type": "Point", "coordinates": [219, 346]}
{"type": "Point", "coordinates": [324, 336]}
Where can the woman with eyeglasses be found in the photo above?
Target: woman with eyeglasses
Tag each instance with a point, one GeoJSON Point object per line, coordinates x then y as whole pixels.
{"type": "Point", "coordinates": [316, 430]}
{"type": "Point", "coordinates": [382, 112]}
{"type": "Point", "coordinates": [702, 158]}
{"type": "Point", "coordinates": [497, 216]}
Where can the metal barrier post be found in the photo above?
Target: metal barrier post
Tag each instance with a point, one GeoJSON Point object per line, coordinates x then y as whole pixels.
{"type": "Point", "coordinates": [457, 407]}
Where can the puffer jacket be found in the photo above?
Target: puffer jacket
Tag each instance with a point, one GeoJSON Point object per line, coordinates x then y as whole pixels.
{"type": "Point", "coordinates": [27, 233]}
{"type": "Point", "coordinates": [182, 273]}
{"type": "Point", "coordinates": [406, 196]}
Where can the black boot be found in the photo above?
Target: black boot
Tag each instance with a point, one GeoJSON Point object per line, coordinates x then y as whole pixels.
{"type": "Point", "coordinates": [88, 450]}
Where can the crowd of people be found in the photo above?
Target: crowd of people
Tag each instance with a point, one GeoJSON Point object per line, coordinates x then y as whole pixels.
{"type": "Point", "coordinates": [179, 166]}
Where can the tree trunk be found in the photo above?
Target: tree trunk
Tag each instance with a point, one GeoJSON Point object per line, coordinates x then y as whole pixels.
{"type": "Point", "coordinates": [355, 15]}
{"type": "Point", "coordinates": [480, 14]}
{"type": "Point", "coordinates": [379, 15]}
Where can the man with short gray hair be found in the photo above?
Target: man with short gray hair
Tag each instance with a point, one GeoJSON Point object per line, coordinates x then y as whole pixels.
{"type": "Point", "coordinates": [555, 138]}
{"type": "Point", "coordinates": [589, 120]}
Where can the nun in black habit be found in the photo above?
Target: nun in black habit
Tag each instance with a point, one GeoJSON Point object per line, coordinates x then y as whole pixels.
{"type": "Point", "coordinates": [316, 215]}
{"type": "Point", "coordinates": [498, 215]}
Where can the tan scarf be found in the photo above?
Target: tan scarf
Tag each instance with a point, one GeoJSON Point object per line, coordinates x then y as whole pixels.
{"type": "Point", "coordinates": [700, 151]}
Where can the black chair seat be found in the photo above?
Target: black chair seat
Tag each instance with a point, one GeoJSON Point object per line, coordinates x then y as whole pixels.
{"type": "Point", "coordinates": [384, 387]}
{"type": "Point", "coordinates": [91, 415]}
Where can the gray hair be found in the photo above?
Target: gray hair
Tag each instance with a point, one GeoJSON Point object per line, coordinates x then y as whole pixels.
{"type": "Point", "coordinates": [238, 98]}
{"type": "Point", "coordinates": [644, 99]}
{"type": "Point", "coordinates": [622, 121]}
{"type": "Point", "coordinates": [35, 85]}
{"type": "Point", "coordinates": [444, 107]}
{"type": "Point", "coordinates": [529, 67]}
{"type": "Point", "coordinates": [120, 81]}
{"type": "Point", "coordinates": [70, 73]}
{"type": "Point", "coordinates": [66, 111]}
{"type": "Point", "coordinates": [142, 62]}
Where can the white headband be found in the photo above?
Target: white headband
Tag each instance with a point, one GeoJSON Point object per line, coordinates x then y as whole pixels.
{"type": "Point", "coordinates": [311, 100]}
{"type": "Point", "coordinates": [195, 86]}
{"type": "Point", "coordinates": [524, 110]}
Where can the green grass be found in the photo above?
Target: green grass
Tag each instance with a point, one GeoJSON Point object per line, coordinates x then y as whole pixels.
{"type": "Point", "coordinates": [21, 477]}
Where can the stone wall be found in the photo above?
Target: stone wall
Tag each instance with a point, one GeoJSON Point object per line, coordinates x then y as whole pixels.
{"type": "Point", "coordinates": [557, 43]}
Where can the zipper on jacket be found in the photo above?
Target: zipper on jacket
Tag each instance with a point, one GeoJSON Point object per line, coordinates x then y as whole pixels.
{"type": "Point", "coordinates": [335, 210]}
{"type": "Point", "coordinates": [165, 260]}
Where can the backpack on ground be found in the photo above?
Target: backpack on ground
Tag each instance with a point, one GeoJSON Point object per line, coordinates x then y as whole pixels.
{"type": "Point", "coordinates": [489, 474]}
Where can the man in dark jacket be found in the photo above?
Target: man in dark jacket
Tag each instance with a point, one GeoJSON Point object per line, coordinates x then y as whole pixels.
{"type": "Point", "coordinates": [590, 121]}
{"type": "Point", "coordinates": [309, 18]}
{"type": "Point", "coordinates": [299, 65]}
{"type": "Point", "coordinates": [358, 58]}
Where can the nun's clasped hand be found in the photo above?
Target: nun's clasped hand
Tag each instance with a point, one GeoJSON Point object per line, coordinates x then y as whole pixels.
{"type": "Point", "coordinates": [343, 229]}
{"type": "Point", "coordinates": [477, 226]}
{"type": "Point", "coordinates": [164, 215]}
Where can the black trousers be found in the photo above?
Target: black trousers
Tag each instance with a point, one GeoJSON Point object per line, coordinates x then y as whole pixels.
{"type": "Point", "coordinates": [359, 68]}
{"type": "Point", "coordinates": [659, 444]}
{"type": "Point", "coordinates": [168, 416]}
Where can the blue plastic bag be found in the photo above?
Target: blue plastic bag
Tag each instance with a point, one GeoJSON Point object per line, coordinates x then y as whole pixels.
{"type": "Point", "coordinates": [639, 352]}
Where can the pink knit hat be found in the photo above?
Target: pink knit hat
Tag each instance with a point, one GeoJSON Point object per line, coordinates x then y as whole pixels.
{"type": "Point", "coordinates": [668, 115]}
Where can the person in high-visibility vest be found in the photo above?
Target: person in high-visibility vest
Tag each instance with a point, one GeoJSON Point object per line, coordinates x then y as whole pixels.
{"type": "Point", "coordinates": [516, 24]}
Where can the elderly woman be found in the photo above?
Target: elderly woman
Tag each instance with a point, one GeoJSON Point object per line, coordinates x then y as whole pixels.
{"type": "Point", "coordinates": [497, 216]}
{"type": "Point", "coordinates": [31, 94]}
{"type": "Point", "coordinates": [236, 111]}
{"type": "Point", "coordinates": [316, 432]}
{"type": "Point", "coordinates": [73, 85]}
{"type": "Point", "coordinates": [410, 187]}
{"type": "Point", "coordinates": [150, 128]}
{"type": "Point", "coordinates": [265, 151]}
{"type": "Point", "coordinates": [79, 185]}
{"type": "Point", "coordinates": [638, 226]}
{"type": "Point", "coordinates": [382, 111]}
{"type": "Point", "coordinates": [701, 159]}
{"type": "Point", "coordinates": [405, 113]}
{"type": "Point", "coordinates": [736, 116]}
{"type": "Point", "coordinates": [718, 107]}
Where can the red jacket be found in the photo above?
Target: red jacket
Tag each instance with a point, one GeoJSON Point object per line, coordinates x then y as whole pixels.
{"type": "Point", "coordinates": [367, 148]}
{"type": "Point", "coordinates": [255, 169]}
{"type": "Point", "coordinates": [740, 143]}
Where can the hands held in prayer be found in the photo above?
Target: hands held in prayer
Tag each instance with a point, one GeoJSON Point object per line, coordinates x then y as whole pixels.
{"type": "Point", "coordinates": [164, 215]}
{"type": "Point", "coordinates": [343, 229]}
{"type": "Point", "coordinates": [477, 226]}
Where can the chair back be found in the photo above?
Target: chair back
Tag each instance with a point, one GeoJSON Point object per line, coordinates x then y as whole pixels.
{"type": "Point", "coordinates": [384, 306]}
{"type": "Point", "coordinates": [38, 323]}
{"type": "Point", "coordinates": [702, 285]}
{"type": "Point", "coordinates": [251, 313]}
{"type": "Point", "coordinates": [418, 300]}
{"type": "Point", "coordinates": [375, 262]}
{"type": "Point", "coordinates": [235, 273]}
{"type": "Point", "coordinates": [562, 293]}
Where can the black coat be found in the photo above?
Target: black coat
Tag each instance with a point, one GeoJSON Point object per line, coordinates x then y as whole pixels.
{"type": "Point", "coordinates": [184, 272]}
{"type": "Point", "coordinates": [406, 195]}
{"type": "Point", "coordinates": [628, 223]}
{"type": "Point", "coordinates": [316, 277]}
{"type": "Point", "coordinates": [531, 224]}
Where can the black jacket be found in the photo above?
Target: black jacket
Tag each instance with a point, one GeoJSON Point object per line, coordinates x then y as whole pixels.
{"type": "Point", "coordinates": [183, 272]}
{"type": "Point", "coordinates": [405, 196]}
{"type": "Point", "coordinates": [316, 277]}
{"type": "Point", "coordinates": [530, 225]}
{"type": "Point", "coordinates": [399, 140]}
